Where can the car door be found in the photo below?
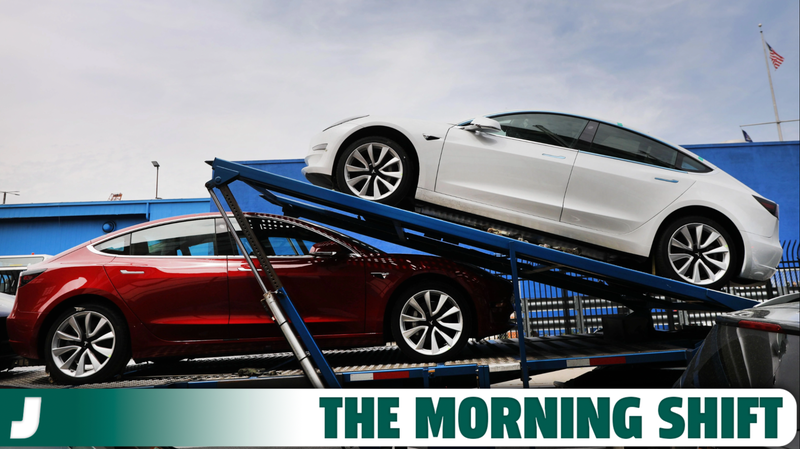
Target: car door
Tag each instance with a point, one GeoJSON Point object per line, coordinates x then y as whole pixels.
{"type": "Point", "coordinates": [328, 291]}
{"type": "Point", "coordinates": [621, 181]}
{"type": "Point", "coordinates": [525, 168]}
{"type": "Point", "coordinates": [172, 279]}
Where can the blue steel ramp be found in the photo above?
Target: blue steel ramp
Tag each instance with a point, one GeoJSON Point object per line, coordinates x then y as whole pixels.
{"type": "Point", "coordinates": [632, 288]}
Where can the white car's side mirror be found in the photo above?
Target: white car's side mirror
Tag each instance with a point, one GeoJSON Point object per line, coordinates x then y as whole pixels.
{"type": "Point", "coordinates": [483, 124]}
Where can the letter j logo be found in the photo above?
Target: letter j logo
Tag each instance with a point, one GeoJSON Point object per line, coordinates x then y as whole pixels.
{"type": "Point", "coordinates": [30, 420]}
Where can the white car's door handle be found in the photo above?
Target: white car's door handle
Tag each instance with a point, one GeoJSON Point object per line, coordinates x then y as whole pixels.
{"type": "Point", "coordinates": [130, 272]}
{"type": "Point", "coordinates": [554, 156]}
{"type": "Point", "coordinates": [667, 180]}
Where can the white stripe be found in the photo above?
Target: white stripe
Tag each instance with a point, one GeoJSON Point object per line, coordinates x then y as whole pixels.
{"type": "Point", "coordinates": [578, 362]}
{"type": "Point", "coordinates": [503, 367]}
{"type": "Point", "coordinates": [360, 376]}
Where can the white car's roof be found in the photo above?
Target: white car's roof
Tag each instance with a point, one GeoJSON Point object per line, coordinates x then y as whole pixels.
{"type": "Point", "coordinates": [617, 124]}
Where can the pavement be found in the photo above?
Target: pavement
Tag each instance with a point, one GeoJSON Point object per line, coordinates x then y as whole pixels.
{"type": "Point", "coordinates": [546, 380]}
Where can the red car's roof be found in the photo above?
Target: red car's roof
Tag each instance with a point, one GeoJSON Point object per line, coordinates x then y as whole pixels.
{"type": "Point", "coordinates": [361, 247]}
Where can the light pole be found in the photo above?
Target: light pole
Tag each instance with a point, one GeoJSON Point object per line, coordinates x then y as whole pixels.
{"type": "Point", "coordinates": [155, 164]}
{"type": "Point", "coordinates": [6, 192]}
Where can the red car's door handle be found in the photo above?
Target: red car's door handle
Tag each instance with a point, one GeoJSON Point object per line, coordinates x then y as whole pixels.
{"type": "Point", "coordinates": [247, 269]}
{"type": "Point", "coordinates": [130, 272]}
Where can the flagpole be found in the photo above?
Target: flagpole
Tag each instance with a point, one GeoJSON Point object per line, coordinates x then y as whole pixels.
{"type": "Point", "coordinates": [769, 74]}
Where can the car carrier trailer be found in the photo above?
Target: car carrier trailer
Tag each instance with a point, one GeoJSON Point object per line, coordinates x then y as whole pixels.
{"type": "Point", "coordinates": [482, 363]}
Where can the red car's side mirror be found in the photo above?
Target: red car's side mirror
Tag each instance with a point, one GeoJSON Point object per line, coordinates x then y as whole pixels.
{"type": "Point", "coordinates": [327, 249]}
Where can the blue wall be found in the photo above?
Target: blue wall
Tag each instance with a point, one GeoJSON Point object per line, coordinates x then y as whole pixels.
{"type": "Point", "coordinates": [55, 227]}
{"type": "Point", "coordinates": [770, 168]}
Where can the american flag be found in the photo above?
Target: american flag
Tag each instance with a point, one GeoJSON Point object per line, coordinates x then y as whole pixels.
{"type": "Point", "coordinates": [777, 59]}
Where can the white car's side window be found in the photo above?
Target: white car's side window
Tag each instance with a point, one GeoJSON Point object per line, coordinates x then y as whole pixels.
{"type": "Point", "coordinates": [551, 129]}
{"type": "Point", "coordinates": [616, 142]}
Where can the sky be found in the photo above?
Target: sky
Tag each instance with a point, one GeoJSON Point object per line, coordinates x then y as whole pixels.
{"type": "Point", "coordinates": [92, 91]}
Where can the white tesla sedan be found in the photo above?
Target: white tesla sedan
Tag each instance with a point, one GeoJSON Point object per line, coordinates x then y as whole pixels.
{"type": "Point", "coordinates": [576, 178]}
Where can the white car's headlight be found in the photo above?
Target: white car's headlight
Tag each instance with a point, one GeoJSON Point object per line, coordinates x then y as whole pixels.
{"type": "Point", "coordinates": [344, 121]}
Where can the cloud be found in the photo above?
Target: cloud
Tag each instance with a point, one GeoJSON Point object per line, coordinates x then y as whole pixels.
{"type": "Point", "coordinates": [93, 91]}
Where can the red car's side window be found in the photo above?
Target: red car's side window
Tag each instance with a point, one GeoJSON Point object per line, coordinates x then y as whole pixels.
{"type": "Point", "coordinates": [279, 238]}
{"type": "Point", "coordinates": [185, 238]}
{"type": "Point", "coordinates": [117, 246]}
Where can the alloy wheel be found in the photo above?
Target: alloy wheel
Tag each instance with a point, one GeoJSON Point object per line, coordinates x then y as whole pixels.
{"type": "Point", "coordinates": [83, 344]}
{"type": "Point", "coordinates": [431, 322]}
{"type": "Point", "coordinates": [373, 171]}
{"type": "Point", "coordinates": [699, 254]}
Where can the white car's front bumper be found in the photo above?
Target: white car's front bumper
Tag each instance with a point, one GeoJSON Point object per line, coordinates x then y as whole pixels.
{"type": "Point", "coordinates": [319, 166]}
{"type": "Point", "coordinates": [321, 158]}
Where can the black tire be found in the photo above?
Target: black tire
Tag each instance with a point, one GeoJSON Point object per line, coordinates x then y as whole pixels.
{"type": "Point", "coordinates": [105, 347]}
{"type": "Point", "coordinates": [711, 264]}
{"type": "Point", "coordinates": [451, 311]}
{"type": "Point", "coordinates": [386, 177]}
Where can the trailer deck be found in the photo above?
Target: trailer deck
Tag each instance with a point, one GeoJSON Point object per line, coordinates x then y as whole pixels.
{"type": "Point", "coordinates": [481, 364]}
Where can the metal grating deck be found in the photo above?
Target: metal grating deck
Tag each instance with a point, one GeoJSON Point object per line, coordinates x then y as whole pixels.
{"type": "Point", "coordinates": [259, 370]}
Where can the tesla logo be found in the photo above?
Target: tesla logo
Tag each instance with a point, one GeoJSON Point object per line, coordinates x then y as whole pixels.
{"type": "Point", "coordinates": [30, 420]}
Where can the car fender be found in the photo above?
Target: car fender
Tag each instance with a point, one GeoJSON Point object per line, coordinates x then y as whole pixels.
{"type": "Point", "coordinates": [749, 219]}
{"type": "Point", "coordinates": [91, 281]}
{"type": "Point", "coordinates": [404, 270]}
{"type": "Point", "coordinates": [716, 191]}
{"type": "Point", "coordinates": [426, 137]}
{"type": "Point", "coordinates": [725, 195]}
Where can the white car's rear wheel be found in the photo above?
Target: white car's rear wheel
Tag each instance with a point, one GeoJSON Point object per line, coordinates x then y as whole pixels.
{"type": "Point", "coordinates": [697, 250]}
{"type": "Point", "coordinates": [376, 169]}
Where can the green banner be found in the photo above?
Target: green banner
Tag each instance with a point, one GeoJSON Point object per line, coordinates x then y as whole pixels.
{"type": "Point", "coordinates": [406, 417]}
{"type": "Point", "coordinates": [146, 417]}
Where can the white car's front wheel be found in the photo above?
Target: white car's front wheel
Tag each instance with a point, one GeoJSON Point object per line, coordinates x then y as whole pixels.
{"type": "Point", "coordinates": [697, 250]}
{"type": "Point", "coordinates": [375, 169]}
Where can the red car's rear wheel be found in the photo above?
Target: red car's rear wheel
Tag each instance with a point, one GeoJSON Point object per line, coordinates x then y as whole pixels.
{"type": "Point", "coordinates": [431, 322]}
{"type": "Point", "coordinates": [87, 343]}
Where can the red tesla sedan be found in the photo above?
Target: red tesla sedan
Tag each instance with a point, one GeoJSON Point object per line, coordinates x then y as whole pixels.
{"type": "Point", "coordinates": [178, 287]}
